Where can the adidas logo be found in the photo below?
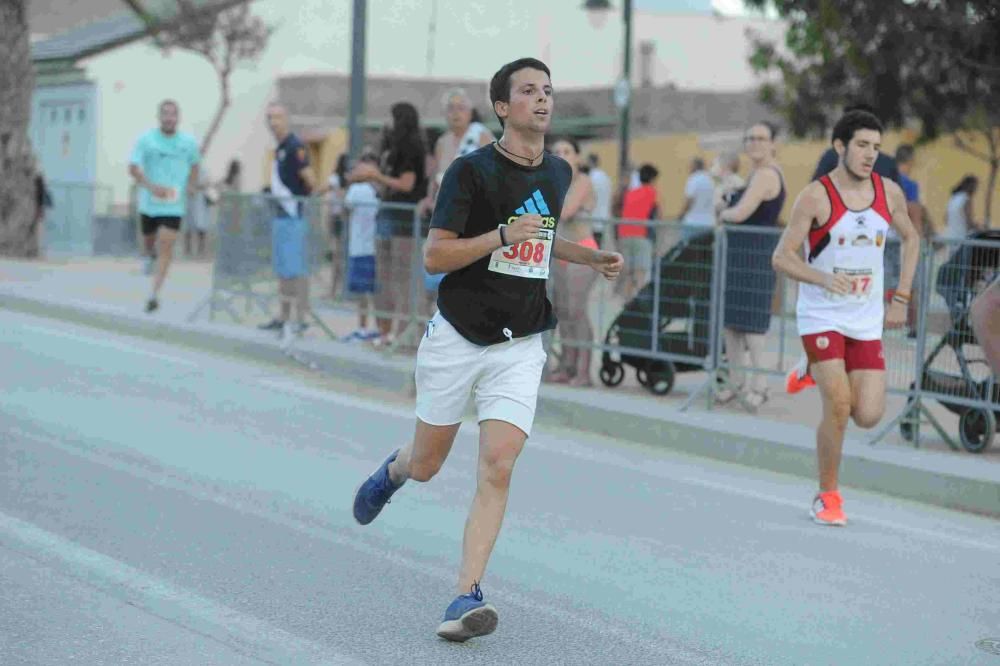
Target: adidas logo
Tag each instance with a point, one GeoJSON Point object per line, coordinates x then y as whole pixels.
{"type": "Point", "coordinates": [535, 205]}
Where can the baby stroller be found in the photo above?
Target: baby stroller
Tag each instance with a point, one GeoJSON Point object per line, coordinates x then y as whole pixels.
{"type": "Point", "coordinates": [959, 280]}
{"type": "Point", "coordinates": [683, 327]}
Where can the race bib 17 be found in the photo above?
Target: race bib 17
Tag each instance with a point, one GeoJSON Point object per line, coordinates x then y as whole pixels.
{"type": "Point", "coordinates": [862, 282]}
{"type": "Point", "coordinates": [529, 259]}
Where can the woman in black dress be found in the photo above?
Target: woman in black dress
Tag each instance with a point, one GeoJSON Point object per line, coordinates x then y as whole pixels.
{"type": "Point", "coordinates": [750, 279]}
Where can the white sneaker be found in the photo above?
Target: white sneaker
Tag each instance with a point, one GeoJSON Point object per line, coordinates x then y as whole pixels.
{"type": "Point", "coordinates": [289, 332]}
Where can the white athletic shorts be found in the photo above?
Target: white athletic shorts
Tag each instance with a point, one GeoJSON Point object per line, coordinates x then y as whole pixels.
{"type": "Point", "coordinates": [504, 378]}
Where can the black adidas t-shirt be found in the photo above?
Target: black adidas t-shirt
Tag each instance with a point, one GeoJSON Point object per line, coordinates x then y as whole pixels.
{"type": "Point", "coordinates": [481, 191]}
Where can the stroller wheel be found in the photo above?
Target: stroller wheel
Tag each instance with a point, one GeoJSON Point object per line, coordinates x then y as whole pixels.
{"type": "Point", "coordinates": [660, 377]}
{"type": "Point", "coordinates": [612, 374]}
{"type": "Point", "coordinates": [642, 376]}
{"type": "Point", "coordinates": [976, 427]}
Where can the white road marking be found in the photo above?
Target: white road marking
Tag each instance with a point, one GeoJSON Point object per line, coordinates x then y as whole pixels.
{"type": "Point", "coordinates": [109, 344]}
{"type": "Point", "coordinates": [163, 599]}
{"type": "Point", "coordinates": [605, 458]}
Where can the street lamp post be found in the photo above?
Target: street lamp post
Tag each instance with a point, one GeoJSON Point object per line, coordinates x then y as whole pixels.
{"type": "Point", "coordinates": [597, 10]}
{"type": "Point", "coordinates": [355, 122]}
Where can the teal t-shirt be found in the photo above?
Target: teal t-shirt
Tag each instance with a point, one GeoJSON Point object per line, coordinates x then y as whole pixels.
{"type": "Point", "coordinates": [166, 161]}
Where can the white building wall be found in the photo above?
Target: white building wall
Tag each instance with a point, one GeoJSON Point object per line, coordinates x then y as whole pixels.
{"type": "Point", "coordinates": [473, 39]}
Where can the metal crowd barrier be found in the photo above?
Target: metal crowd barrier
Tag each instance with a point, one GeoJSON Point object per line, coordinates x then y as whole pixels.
{"type": "Point", "coordinates": [682, 289]}
{"type": "Point", "coordinates": [242, 269]}
{"type": "Point", "coordinates": [746, 310]}
{"type": "Point", "coordinates": [243, 272]}
{"type": "Point", "coordinates": [400, 295]}
{"type": "Point", "coordinates": [658, 319]}
{"type": "Point", "coordinates": [948, 366]}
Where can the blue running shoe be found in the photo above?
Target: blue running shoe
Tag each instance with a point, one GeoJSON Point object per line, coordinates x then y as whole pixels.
{"type": "Point", "coordinates": [468, 616]}
{"type": "Point", "coordinates": [374, 493]}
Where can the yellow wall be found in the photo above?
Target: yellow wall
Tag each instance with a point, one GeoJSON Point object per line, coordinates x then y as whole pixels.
{"type": "Point", "coordinates": [323, 154]}
{"type": "Point", "coordinates": [938, 168]}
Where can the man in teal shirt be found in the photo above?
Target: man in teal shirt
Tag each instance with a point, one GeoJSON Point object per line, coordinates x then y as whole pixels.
{"type": "Point", "coordinates": [164, 165]}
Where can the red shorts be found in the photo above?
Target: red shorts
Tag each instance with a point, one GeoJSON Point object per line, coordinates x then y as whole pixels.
{"type": "Point", "coordinates": [856, 354]}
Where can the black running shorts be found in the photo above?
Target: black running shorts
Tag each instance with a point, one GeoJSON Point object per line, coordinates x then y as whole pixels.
{"type": "Point", "coordinates": [151, 224]}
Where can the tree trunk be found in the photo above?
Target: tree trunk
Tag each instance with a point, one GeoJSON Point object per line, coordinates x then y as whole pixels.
{"type": "Point", "coordinates": [18, 233]}
{"type": "Point", "coordinates": [219, 113]}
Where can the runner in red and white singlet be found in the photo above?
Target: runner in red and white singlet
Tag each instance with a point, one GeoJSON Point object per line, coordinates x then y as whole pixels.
{"type": "Point", "coordinates": [850, 243]}
{"type": "Point", "coordinates": [834, 247]}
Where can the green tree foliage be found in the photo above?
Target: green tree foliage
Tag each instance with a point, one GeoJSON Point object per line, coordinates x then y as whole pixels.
{"type": "Point", "coordinates": [227, 39]}
{"type": "Point", "coordinates": [935, 62]}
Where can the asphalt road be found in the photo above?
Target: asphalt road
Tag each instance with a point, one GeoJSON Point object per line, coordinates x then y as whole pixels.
{"type": "Point", "coordinates": [160, 505]}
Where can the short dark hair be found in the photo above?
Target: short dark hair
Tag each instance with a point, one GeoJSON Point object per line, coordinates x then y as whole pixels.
{"type": "Point", "coordinates": [904, 153]}
{"type": "Point", "coordinates": [648, 173]}
{"type": "Point", "coordinates": [593, 159]}
{"type": "Point", "coordinates": [860, 106]}
{"type": "Point", "coordinates": [851, 122]}
{"type": "Point", "coordinates": [500, 83]}
{"type": "Point", "coordinates": [169, 102]}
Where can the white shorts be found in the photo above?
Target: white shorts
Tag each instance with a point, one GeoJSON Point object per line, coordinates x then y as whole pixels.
{"type": "Point", "coordinates": [504, 377]}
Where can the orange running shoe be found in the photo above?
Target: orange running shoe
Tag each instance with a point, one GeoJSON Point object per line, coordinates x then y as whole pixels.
{"type": "Point", "coordinates": [827, 509]}
{"type": "Point", "coordinates": [798, 378]}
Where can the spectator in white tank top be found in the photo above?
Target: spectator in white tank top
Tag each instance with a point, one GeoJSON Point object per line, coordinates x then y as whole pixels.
{"type": "Point", "coordinates": [601, 182]}
{"type": "Point", "coordinates": [959, 221]}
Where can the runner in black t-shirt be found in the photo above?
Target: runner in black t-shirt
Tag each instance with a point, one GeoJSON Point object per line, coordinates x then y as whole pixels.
{"type": "Point", "coordinates": [494, 234]}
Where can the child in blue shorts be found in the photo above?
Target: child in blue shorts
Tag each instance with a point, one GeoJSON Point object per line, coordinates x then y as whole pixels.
{"type": "Point", "coordinates": [362, 202]}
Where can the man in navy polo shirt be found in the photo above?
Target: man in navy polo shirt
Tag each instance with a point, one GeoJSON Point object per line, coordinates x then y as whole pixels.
{"type": "Point", "coordinates": [291, 179]}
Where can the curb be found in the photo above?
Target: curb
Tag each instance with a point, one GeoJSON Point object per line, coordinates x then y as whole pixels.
{"type": "Point", "coordinates": [929, 477]}
{"type": "Point", "coordinates": [351, 364]}
{"type": "Point", "coordinates": [912, 475]}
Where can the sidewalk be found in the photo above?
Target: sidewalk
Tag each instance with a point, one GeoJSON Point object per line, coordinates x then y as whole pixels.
{"type": "Point", "coordinates": [110, 293]}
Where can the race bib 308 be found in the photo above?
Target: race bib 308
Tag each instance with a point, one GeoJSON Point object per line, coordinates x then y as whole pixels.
{"type": "Point", "coordinates": [528, 259]}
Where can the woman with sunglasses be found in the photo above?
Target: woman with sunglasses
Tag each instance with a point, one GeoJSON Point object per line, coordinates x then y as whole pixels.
{"type": "Point", "coordinates": [750, 280]}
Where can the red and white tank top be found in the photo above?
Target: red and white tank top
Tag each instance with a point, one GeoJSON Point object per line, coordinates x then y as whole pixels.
{"type": "Point", "coordinates": [851, 242]}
